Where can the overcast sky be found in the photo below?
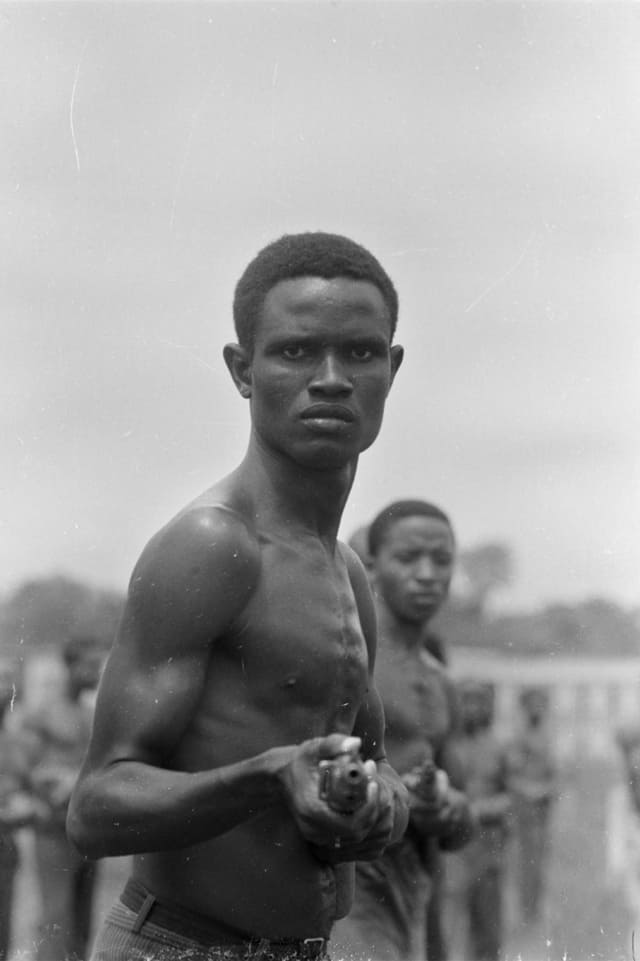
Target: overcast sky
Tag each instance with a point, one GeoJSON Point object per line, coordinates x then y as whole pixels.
{"type": "Point", "coordinates": [488, 153]}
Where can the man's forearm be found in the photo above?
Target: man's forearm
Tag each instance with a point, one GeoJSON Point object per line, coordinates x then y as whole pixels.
{"type": "Point", "coordinates": [401, 800]}
{"type": "Point", "coordinates": [131, 807]}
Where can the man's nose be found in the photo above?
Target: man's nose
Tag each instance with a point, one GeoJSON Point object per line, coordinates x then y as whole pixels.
{"type": "Point", "coordinates": [330, 377]}
{"type": "Point", "coordinates": [425, 569]}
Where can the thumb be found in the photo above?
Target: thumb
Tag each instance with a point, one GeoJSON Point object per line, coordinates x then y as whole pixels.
{"type": "Point", "coordinates": [335, 744]}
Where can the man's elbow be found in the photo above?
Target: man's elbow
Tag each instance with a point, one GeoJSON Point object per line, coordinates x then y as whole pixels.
{"type": "Point", "coordinates": [82, 830]}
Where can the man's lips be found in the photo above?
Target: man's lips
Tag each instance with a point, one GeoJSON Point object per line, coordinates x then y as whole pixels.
{"type": "Point", "coordinates": [425, 597]}
{"type": "Point", "coordinates": [328, 412]}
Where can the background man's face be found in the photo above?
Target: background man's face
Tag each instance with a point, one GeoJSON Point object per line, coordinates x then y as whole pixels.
{"type": "Point", "coordinates": [321, 369]}
{"type": "Point", "coordinates": [476, 706]}
{"type": "Point", "coordinates": [535, 705]}
{"type": "Point", "coordinates": [413, 566]}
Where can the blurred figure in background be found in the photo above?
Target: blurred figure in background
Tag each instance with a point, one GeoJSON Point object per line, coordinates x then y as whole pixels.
{"type": "Point", "coordinates": [436, 646]}
{"type": "Point", "coordinates": [628, 740]}
{"type": "Point", "coordinates": [410, 555]}
{"type": "Point", "coordinates": [623, 831]}
{"type": "Point", "coordinates": [17, 807]}
{"type": "Point", "coordinates": [532, 782]}
{"type": "Point", "coordinates": [475, 875]}
{"type": "Point", "coordinates": [57, 732]}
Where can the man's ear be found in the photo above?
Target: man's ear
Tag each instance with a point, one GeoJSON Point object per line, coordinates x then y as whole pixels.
{"type": "Point", "coordinates": [237, 360]}
{"type": "Point", "coordinates": [396, 356]}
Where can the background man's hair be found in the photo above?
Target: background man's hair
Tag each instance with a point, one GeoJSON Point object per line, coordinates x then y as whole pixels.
{"type": "Point", "coordinates": [77, 646]}
{"type": "Point", "coordinates": [313, 254]}
{"type": "Point", "coordinates": [397, 511]}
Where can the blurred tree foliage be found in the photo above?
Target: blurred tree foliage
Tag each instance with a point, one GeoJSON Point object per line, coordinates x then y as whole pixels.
{"type": "Point", "coordinates": [42, 613]}
{"type": "Point", "coordinates": [595, 627]}
{"type": "Point", "coordinates": [484, 570]}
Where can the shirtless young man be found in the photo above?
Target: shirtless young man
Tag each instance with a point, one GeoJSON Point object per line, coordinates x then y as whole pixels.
{"type": "Point", "coordinates": [411, 550]}
{"type": "Point", "coordinates": [246, 650]}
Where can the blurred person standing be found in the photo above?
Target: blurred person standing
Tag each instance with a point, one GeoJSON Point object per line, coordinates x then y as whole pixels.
{"type": "Point", "coordinates": [437, 949]}
{"type": "Point", "coordinates": [17, 807]}
{"type": "Point", "coordinates": [623, 828]}
{"type": "Point", "coordinates": [475, 875]}
{"type": "Point", "coordinates": [435, 646]}
{"type": "Point", "coordinates": [411, 550]}
{"type": "Point", "coordinates": [532, 783]}
{"type": "Point", "coordinates": [57, 731]}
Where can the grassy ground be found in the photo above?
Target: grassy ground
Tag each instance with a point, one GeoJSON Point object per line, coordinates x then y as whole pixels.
{"type": "Point", "coordinates": [583, 919]}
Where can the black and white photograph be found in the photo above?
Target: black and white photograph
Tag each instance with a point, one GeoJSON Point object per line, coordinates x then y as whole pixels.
{"type": "Point", "coordinates": [320, 480]}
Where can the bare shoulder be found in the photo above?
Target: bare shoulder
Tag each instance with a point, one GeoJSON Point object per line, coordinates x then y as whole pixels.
{"type": "Point", "coordinates": [357, 573]}
{"type": "Point", "coordinates": [198, 571]}
{"type": "Point", "coordinates": [354, 565]}
{"type": "Point", "coordinates": [361, 592]}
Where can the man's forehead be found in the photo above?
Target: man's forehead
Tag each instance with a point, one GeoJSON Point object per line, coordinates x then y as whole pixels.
{"type": "Point", "coordinates": [310, 295]}
{"type": "Point", "coordinates": [419, 529]}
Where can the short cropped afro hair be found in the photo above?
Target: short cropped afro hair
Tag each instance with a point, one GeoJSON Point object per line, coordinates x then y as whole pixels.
{"type": "Point", "coordinates": [396, 512]}
{"type": "Point", "coordinates": [311, 254]}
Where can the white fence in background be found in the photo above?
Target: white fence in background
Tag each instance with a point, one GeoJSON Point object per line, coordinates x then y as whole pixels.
{"type": "Point", "coordinates": [589, 697]}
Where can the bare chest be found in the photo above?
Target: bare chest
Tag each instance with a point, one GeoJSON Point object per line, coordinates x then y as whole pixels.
{"type": "Point", "coordinates": [298, 650]}
{"type": "Point", "coordinates": [415, 699]}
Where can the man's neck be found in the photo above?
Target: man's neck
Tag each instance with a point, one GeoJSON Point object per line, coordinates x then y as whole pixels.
{"type": "Point", "coordinates": [406, 634]}
{"type": "Point", "coordinates": [295, 496]}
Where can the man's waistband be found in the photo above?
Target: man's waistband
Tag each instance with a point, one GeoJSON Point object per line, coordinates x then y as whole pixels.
{"type": "Point", "coordinates": [210, 933]}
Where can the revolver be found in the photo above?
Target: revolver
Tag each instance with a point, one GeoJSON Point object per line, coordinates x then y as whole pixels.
{"type": "Point", "coordinates": [343, 783]}
{"type": "Point", "coordinates": [428, 782]}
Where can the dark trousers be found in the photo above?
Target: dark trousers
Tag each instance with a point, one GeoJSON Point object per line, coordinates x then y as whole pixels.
{"type": "Point", "coordinates": [485, 915]}
{"type": "Point", "coordinates": [533, 843]}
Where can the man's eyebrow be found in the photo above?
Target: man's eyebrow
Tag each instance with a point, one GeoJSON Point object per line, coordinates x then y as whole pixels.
{"type": "Point", "coordinates": [368, 337]}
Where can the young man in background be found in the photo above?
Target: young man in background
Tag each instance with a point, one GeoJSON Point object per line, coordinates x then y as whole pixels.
{"type": "Point", "coordinates": [412, 550]}
{"type": "Point", "coordinates": [475, 875]}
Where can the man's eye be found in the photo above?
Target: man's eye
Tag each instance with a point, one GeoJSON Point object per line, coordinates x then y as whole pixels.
{"type": "Point", "coordinates": [361, 353]}
{"type": "Point", "coordinates": [443, 560]}
{"type": "Point", "coordinates": [293, 352]}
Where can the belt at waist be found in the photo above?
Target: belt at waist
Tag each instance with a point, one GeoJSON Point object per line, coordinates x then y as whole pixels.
{"type": "Point", "coordinates": [207, 931]}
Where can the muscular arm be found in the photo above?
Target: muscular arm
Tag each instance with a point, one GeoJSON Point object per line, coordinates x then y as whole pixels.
{"type": "Point", "coordinates": [190, 583]}
{"type": "Point", "coordinates": [369, 723]}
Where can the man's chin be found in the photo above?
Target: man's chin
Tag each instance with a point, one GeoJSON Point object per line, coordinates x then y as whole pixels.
{"type": "Point", "coordinates": [422, 613]}
{"type": "Point", "coordinates": [326, 457]}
